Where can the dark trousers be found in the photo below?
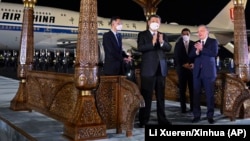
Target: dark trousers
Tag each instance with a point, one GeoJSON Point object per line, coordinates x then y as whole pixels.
{"type": "Point", "coordinates": [209, 86]}
{"type": "Point", "coordinates": [185, 79]}
{"type": "Point", "coordinates": [148, 85]}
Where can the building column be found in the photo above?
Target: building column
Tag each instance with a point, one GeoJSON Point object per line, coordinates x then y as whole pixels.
{"type": "Point", "coordinates": [149, 7]}
{"type": "Point", "coordinates": [90, 124]}
{"type": "Point", "coordinates": [241, 59]}
{"type": "Point", "coordinates": [25, 59]}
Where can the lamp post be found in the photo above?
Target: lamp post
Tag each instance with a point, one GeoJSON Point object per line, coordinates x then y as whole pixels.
{"type": "Point", "coordinates": [241, 59]}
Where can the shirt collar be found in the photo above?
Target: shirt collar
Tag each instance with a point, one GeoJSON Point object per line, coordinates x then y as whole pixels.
{"type": "Point", "coordinates": [114, 32]}
{"type": "Point", "coordinates": [204, 40]}
{"type": "Point", "coordinates": [153, 32]}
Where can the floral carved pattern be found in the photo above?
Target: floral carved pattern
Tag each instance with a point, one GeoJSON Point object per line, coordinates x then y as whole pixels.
{"type": "Point", "coordinates": [118, 100]}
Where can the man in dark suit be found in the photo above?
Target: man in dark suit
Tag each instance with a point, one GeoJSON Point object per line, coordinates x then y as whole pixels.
{"type": "Point", "coordinates": [115, 57]}
{"type": "Point", "coordinates": [153, 45]}
{"type": "Point", "coordinates": [204, 72]}
{"type": "Point", "coordinates": [184, 68]}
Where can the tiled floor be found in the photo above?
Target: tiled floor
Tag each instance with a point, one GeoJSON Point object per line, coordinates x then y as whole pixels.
{"type": "Point", "coordinates": [36, 126]}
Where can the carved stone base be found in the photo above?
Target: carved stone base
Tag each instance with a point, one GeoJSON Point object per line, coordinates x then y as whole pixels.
{"type": "Point", "coordinates": [236, 98]}
{"type": "Point", "coordinates": [18, 103]}
{"type": "Point", "coordinates": [118, 100]}
{"type": "Point", "coordinates": [86, 122]}
{"type": "Point", "coordinates": [246, 105]}
{"type": "Point", "coordinates": [87, 132]}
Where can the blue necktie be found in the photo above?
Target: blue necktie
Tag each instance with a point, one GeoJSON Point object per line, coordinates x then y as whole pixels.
{"type": "Point", "coordinates": [118, 38]}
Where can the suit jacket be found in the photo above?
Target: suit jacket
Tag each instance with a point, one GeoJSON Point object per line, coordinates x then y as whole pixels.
{"type": "Point", "coordinates": [180, 55]}
{"type": "Point", "coordinates": [206, 59]}
{"type": "Point", "coordinates": [113, 61]}
{"type": "Point", "coordinates": [152, 55]}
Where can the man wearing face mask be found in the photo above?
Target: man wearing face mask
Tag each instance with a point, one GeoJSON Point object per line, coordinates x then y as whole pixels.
{"type": "Point", "coordinates": [115, 57]}
{"type": "Point", "coordinates": [184, 67]}
{"type": "Point", "coordinates": [153, 45]}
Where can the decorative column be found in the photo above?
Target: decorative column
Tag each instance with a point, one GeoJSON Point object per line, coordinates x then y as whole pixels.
{"type": "Point", "coordinates": [86, 69]}
{"type": "Point", "coordinates": [149, 7]}
{"type": "Point", "coordinates": [241, 59]}
{"type": "Point", "coordinates": [88, 125]}
{"type": "Point", "coordinates": [25, 58]}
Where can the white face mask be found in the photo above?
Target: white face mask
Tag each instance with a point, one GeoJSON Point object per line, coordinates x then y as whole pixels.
{"type": "Point", "coordinates": [185, 38]}
{"type": "Point", "coordinates": [119, 27]}
{"type": "Point", "coordinates": [154, 26]}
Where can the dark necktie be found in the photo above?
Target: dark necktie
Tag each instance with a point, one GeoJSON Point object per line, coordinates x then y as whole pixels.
{"type": "Point", "coordinates": [118, 38]}
{"type": "Point", "coordinates": [202, 42]}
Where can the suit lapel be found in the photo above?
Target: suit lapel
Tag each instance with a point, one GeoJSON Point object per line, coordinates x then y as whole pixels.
{"type": "Point", "coordinates": [149, 34]}
{"type": "Point", "coordinates": [114, 38]}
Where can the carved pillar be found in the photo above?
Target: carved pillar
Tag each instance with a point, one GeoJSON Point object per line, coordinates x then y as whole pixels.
{"type": "Point", "coordinates": [149, 7]}
{"type": "Point", "coordinates": [25, 58]}
{"type": "Point", "coordinates": [241, 59]}
{"type": "Point", "coordinates": [86, 76]}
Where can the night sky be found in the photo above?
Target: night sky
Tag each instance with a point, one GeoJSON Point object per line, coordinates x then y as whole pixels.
{"type": "Point", "coordinates": [186, 12]}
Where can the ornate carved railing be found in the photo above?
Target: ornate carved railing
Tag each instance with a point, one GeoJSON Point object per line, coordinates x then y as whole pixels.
{"type": "Point", "coordinates": [55, 95]}
{"type": "Point", "coordinates": [120, 98]}
{"type": "Point", "coordinates": [236, 98]}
